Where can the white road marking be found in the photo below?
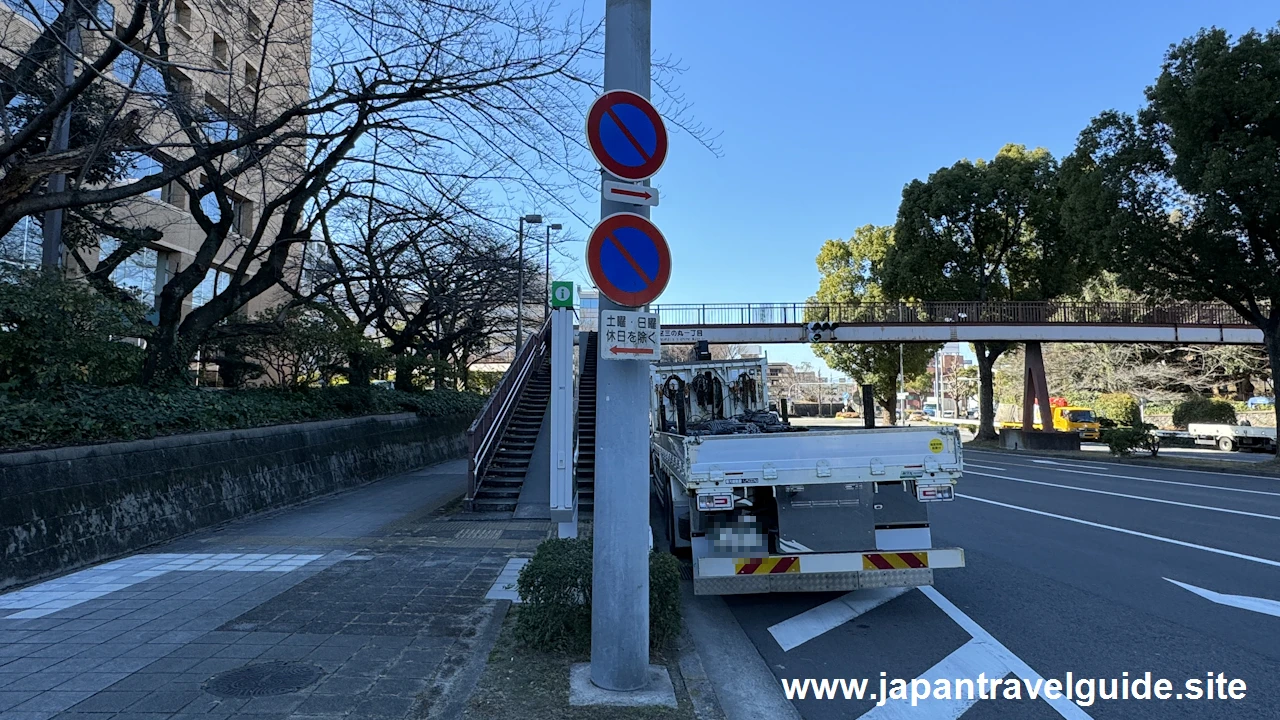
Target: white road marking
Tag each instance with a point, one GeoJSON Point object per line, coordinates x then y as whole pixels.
{"type": "Point", "coordinates": [999, 652]}
{"type": "Point", "coordinates": [1174, 482]}
{"type": "Point", "coordinates": [1004, 457]}
{"type": "Point", "coordinates": [1244, 602]}
{"type": "Point", "coordinates": [71, 590]}
{"type": "Point", "coordinates": [1135, 533]}
{"type": "Point", "coordinates": [985, 467]}
{"type": "Point", "coordinates": [967, 662]}
{"type": "Point", "coordinates": [504, 588]}
{"type": "Point", "coordinates": [1131, 497]}
{"type": "Point", "coordinates": [828, 616]}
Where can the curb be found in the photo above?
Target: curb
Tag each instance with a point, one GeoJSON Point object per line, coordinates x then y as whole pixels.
{"type": "Point", "coordinates": [702, 694]}
{"type": "Point", "coordinates": [468, 677]}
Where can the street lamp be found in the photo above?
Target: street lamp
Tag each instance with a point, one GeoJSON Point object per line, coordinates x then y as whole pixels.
{"type": "Point", "coordinates": [532, 220]}
{"type": "Point", "coordinates": [546, 304]}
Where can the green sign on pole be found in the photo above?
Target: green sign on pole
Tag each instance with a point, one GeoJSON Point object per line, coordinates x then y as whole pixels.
{"type": "Point", "coordinates": [562, 294]}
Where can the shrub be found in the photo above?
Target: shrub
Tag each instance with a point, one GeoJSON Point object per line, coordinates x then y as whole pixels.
{"type": "Point", "coordinates": [56, 332]}
{"type": "Point", "coordinates": [555, 589]}
{"type": "Point", "coordinates": [1124, 440]}
{"type": "Point", "coordinates": [1203, 410]}
{"type": "Point", "coordinates": [1120, 407]}
{"type": "Point", "coordinates": [78, 415]}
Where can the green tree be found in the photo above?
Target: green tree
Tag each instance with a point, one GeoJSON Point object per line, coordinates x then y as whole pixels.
{"type": "Point", "coordinates": [848, 268]}
{"type": "Point", "coordinates": [1183, 197]}
{"type": "Point", "coordinates": [985, 231]}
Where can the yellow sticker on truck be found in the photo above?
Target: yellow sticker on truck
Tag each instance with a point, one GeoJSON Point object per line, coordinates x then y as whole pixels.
{"type": "Point", "coordinates": [935, 445]}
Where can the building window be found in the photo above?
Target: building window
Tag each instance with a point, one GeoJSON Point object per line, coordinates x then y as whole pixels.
{"type": "Point", "coordinates": [254, 26]}
{"type": "Point", "coordinates": [214, 282]}
{"type": "Point", "coordinates": [242, 217]}
{"type": "Point", "coordinates": [21, 246]}
{"type": "Point", "coordinates": [134, 68]}
{"type": "Point", "coordinates": [139, 274]}
{"type": "Point", "coordinates": [182, 16]}
{"type": "Point", "coordinates": [144, 166]}
{"type": "Point", "coordinates": [250, 76]}
{"type": "Point", "coordinates": [221, 53]}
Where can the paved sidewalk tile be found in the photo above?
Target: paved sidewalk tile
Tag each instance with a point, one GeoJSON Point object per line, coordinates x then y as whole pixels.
{"type": "Point", "coordinates": [371, 590]}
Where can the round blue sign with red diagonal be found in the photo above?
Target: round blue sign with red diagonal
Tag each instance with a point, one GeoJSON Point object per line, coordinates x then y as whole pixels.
{"type": "Point", "coordinates": [628, 259]}
{"type": "Point", "coordinates": [626, 135]}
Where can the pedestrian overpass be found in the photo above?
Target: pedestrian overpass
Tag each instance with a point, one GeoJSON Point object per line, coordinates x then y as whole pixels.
{"type": "Point", "coordinates": [1050, 321]}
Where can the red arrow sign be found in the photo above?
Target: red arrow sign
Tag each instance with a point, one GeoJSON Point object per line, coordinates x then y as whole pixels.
{"type": "Point", "coordinates": [631, 193]}
{"type": "Point", "coordinates": [634, 351]}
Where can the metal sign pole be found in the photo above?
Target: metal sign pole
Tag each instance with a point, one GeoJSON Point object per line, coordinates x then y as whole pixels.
{"type": "Point", "coordinates": [620, 584]}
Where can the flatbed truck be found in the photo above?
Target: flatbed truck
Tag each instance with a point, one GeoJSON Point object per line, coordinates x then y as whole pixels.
{"type": "Point", "coordinates": [762, 507]}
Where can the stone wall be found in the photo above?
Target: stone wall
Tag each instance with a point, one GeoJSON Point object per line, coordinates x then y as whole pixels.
{"type": "Point", "coordinates": [69, 507]}
{"type": "Point", "coordinates": [1257, 418]}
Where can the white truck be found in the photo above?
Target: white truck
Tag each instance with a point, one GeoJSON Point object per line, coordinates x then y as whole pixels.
{"type": "Point", "coordinates": [1231, 437]}
{"type": "Point", "coordinates": [764, 507]}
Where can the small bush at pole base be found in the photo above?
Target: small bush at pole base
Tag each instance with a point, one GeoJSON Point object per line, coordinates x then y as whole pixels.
{"type": "Point", "coordinates": [1124, 440]}
{"type": "Point", "coordinates": [555, 592]}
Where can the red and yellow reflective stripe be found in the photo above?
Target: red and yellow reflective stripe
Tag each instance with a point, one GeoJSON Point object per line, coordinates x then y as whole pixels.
{"type": "Point", "coordinates": [895, 561]}
{"type": "Point", "coordinates": [767, 566]}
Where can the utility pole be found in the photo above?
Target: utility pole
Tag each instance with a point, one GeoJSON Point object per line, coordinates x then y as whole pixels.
{"type": "Point", "coordinates": [532, 220]}
{"type": "Point", "coordinates": [620, 580]}
{"type": "Point", "coordinates": [902, 400]}
{"type": "Point", "coordinates": [60, 139]}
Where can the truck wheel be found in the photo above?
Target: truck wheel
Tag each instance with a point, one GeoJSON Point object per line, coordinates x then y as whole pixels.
{"type": "Point", "coordinates": [1226, 444]}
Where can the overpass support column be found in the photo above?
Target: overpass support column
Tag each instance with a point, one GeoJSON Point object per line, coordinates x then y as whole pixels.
{"type": "Point", "coordinates": [1035, 390]}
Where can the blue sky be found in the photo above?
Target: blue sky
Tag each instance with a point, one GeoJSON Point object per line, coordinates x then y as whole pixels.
{"type": "Point", "coordinates": [826, 109]}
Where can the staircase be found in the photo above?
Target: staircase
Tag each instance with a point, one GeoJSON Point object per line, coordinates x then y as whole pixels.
{"type": "Point", "coordinates": [499, 489]}
{"type": "Point", "coordinates": [586, 471]}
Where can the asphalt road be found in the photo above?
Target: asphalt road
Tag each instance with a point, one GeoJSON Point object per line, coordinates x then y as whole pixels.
{"type": "Point", "coordinates": [1070, 569]}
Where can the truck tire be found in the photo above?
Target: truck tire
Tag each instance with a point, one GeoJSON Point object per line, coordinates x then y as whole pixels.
{"type": "Point", "coordinates": [1226, 444]}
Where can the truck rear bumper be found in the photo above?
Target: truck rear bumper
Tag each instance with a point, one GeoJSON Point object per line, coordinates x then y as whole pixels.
{"type": "Point", "coordinates": [822, 572]}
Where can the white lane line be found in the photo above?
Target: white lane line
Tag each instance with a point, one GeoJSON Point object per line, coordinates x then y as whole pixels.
{"type": "Point", "coordinates": [1004, 457]}
{"type": "Point", "coordinates": [1244, 602]}
{"type": "Point", "coordinates": [968, 661]}
{"type": "Point", "coordinates": [1131, 497]}
{"type": "Point", "coordinates": [1065, 707]}
{"type": "Point", "coordinates": [1173, 482]}
{"type": "Point", "coordinates": [1135, 533]}
{"type": "Point", "coordinates": [985, 467]}
{"type": "Point", "coordinates": [811, 623]}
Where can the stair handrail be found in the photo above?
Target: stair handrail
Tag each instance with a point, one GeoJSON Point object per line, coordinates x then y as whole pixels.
{"type": "Point", "coordinates": [489, 425]}
{"type": "Point", "coordinates": [584, 346]}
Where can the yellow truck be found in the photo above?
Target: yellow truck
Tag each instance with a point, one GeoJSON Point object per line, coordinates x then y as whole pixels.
{"type": "Point", "coordinates": [1070, 418]}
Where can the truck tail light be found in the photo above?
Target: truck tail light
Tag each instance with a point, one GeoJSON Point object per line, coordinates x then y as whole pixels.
{"type": "Point", "coordinates": [718, 501]}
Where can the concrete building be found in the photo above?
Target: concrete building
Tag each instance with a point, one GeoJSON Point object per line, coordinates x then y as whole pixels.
{"type": "Point", "coordinates": [235, 63]}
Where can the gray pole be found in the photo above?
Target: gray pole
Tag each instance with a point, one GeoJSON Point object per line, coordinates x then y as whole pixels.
{"type": "Point", "coordinates": [620, 583]}
{"type": "Point", "coordinates": [546, 280]}
{"type": "Point", "coordinates": [51, 254]}
{"type": "Point", "coordinates": [902, 402]}
{"type": "Point", "coordinates": [520, 296]}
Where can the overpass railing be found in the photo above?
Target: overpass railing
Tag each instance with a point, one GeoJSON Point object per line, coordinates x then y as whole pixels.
{"type": "Point", "coordinates": [925, 312]}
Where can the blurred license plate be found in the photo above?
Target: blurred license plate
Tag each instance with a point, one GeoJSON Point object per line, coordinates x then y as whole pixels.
{"type": "Point", "coordinates": [934, 493]}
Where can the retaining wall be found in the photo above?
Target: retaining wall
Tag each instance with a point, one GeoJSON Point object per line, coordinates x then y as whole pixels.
{"type": "Point", "coordinates": [69, 507]}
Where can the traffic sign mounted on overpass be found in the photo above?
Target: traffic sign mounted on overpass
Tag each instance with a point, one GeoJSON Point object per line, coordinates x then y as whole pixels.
{"type": "Point", "coordinates": [628, 259]}
{"type": "Point", "coordinates": [626, 134]}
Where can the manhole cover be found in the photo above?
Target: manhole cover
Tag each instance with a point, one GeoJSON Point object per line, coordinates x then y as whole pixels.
{"type": "Point", "coordinates": [269, 678]}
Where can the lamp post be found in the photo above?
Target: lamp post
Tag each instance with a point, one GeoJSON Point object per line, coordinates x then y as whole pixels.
{"type": "Point", "coordinates": [546, 303]}
{"type": "Point", "coordinates": [532, 220]}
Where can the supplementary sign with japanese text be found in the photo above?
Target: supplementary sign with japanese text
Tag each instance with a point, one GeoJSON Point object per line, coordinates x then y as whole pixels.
{"type": "Point", "coordinates": [626, 335]}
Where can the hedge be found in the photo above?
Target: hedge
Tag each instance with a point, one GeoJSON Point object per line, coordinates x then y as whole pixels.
{"type": "Point", "coordinates": [1203, 410]}
{"type": "Point", "coordinates": [1120, 407]}
{"type": "Point", "coordinates": [555, 589]}
{"type": "Point", "coordinates": [82, 415]}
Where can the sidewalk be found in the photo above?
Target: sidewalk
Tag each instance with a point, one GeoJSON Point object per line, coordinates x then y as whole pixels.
{"type": "Point", "coordinates": [361, 605]}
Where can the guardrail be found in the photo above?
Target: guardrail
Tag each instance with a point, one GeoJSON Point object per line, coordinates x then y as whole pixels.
{"type": "Point", "coordinates": [1020, 313]}
{"type": "Point", "coordinates": [486, 431]}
